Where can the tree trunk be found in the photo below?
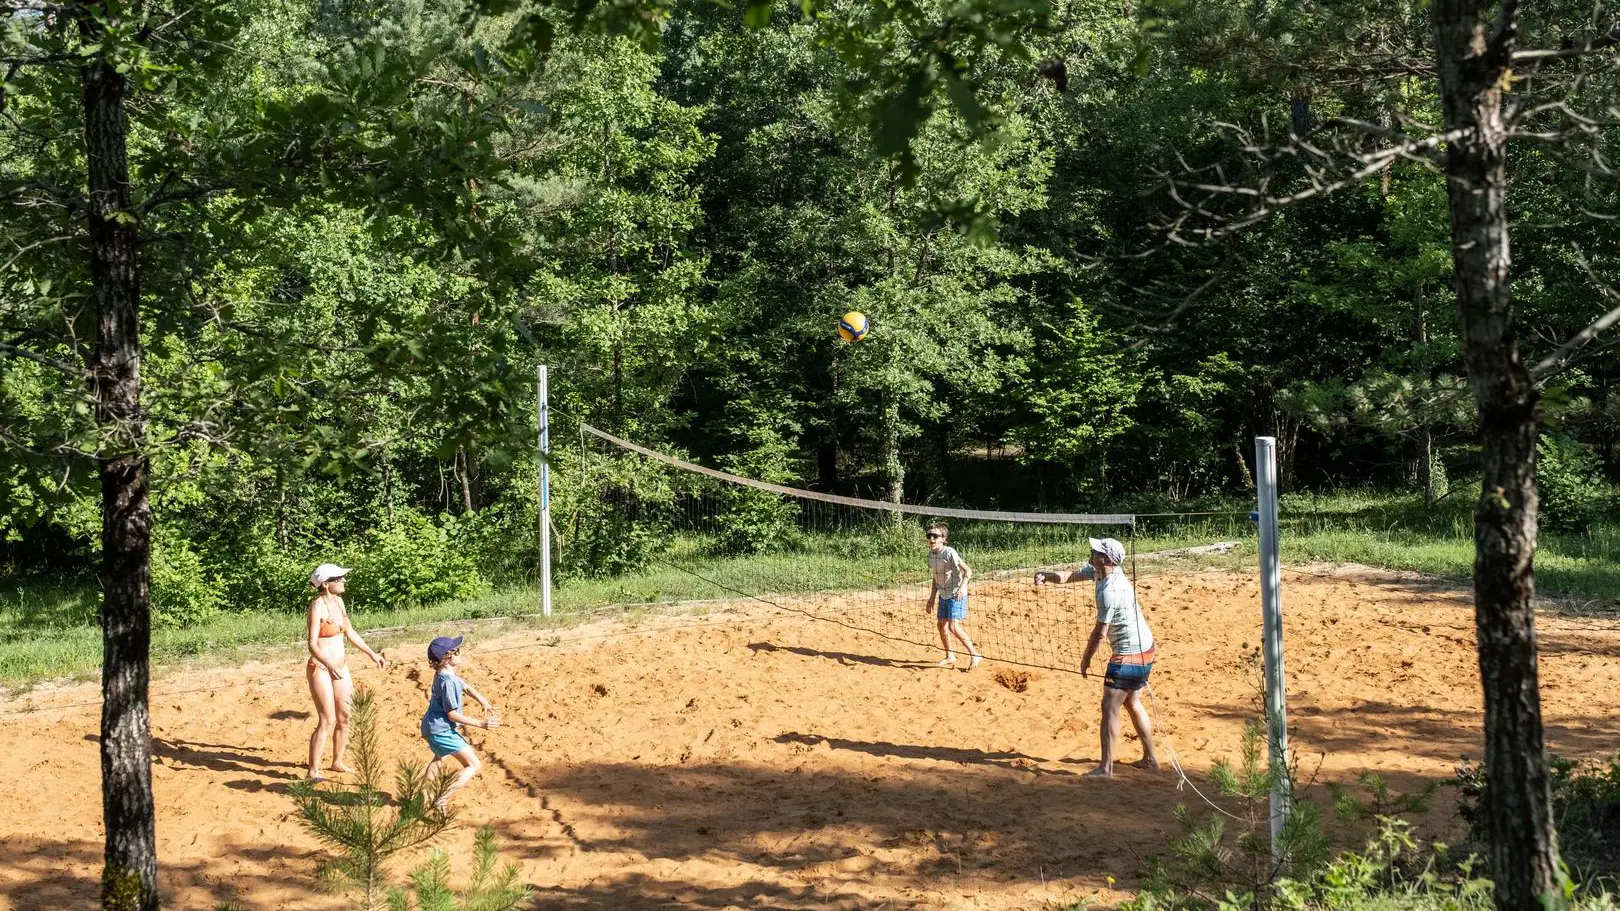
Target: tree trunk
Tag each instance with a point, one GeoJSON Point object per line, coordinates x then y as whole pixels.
{"type": "Point", "coordinates": [893, 469]}
{"type": "Point", "coordinates": [129, 872]}
{"type": "Point", "coordinates": [464, 472]}
{"type": "Point", "coordinates": [1425, 439]}
{"type": "Point", "coordinates": [1474, 59]}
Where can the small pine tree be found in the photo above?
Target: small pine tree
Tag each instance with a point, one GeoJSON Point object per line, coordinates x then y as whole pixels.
{"type": "Point", "coordinates": [356, 819]}
{"type": "Point", "coordinates": [1210, 868]}
{"type": "Point", "coordinates": [491, 889]}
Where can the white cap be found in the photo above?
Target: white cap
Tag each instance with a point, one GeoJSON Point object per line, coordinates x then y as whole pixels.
{"type": "Point", "coordinates": [326, 572]}
{"type": "Point", "coordinates": [1112, 550]}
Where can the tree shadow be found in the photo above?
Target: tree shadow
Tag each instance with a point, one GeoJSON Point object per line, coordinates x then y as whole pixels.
{"type": "Point", "coordinates": [289, 715]}
{"type": "Point", "coordinates": [1003, 759]}
{"type": "Point", "coordinates": [1417, 730]}
{"type": "Point", "coordinates": [218, 757]}
{"type": "Point", "coordinates": [49, 874]}
{"type": "Point", "coordinates": [844, 658]}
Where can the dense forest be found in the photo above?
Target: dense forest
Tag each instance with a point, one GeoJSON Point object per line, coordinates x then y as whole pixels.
{"type": "Point", "coordinates": [340, 329]}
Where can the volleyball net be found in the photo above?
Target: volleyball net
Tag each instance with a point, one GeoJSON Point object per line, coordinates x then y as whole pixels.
{"type": "Point", "coordinates": [649, 519]}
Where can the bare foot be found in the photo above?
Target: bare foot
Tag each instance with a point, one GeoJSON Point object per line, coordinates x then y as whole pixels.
{"type": "Point", "coordinates": [314, 779]}
{"type": "Point", "coordinates": [977, 659]}
{"type": "Point", "coordinates": [338, 767]}
{"type": "Point", "coordinates": [1151, 765]}
{"type": "Point", "coordinates": [1100, 772]}
{"type": "Point", "coordinates": [948, 662]}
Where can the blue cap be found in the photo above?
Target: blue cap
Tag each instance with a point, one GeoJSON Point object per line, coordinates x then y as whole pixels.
{"type": "Point", "coordinates": [442, 646]}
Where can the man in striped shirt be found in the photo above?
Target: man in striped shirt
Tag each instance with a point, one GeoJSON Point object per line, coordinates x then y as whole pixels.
{"type": "Point", "coordinates": [1119, 617]}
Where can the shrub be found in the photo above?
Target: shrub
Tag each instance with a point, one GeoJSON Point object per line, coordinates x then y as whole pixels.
{"type": "Point", "coordinates": [1586, 812]}
{"type": "Point", "coordinates": [184, 593]}
{"type": "Point", "coordinates": [493, 887]}
{"type": "Point", "coordinates": [356, 819]}
{"type": "Point", "coordinates": [1210, 868]}
{"type": "Point", "coordinates": [261, 576]}
{"type": "Point", "coordinates": [1572, 491]}
{"type": "Point", "coordinates": [502, 540]}
{"type": "Point", "coordinates": [413, 561]}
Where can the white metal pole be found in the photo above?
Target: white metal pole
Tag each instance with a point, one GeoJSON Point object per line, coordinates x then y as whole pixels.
{"type": "Point", "coordinates": [544, 408]}
{"type": "Point", "coordinates": [1265, 475]}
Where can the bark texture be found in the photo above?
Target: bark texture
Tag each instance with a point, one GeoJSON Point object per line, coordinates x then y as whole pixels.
{"type": "Point", "coordinates": [129, 873]}
{"type": "Point", "coordinates": [1474, 53]}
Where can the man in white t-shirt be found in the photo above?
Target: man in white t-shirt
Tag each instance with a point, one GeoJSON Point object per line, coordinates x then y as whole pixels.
{"type": "Point", "coordinates": [1119, 617]}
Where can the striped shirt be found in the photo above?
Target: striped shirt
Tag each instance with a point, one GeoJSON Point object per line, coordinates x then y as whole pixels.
{"type": "Point", "coordinates": [1117, 609]}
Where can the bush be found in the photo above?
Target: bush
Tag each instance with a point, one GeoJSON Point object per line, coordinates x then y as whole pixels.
{"type": "Point", "coordinates": [263, 577]}
{"type": "Point", "coordinates": [1586, 812]}
{"type": "Point", "coordinates": [502, 540]}
{"type": "Point", "coordinates": [413, 562]}
{"type": "Point", "coordinates": [1573, 494]}
{"type": "Point", "coordinates": [184, 593]}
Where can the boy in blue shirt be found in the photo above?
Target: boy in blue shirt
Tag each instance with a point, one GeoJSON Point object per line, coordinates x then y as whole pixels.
{"type": "Point", "coordinates": [444, 713]}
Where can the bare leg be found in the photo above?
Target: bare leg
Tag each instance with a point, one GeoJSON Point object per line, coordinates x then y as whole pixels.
{"type": "Point", "coordinates": [1144, 730]}
{"type": "Point", "coordinates": [470, 766]}
{"type": "Point", "coordinates": [320, 689]}
{"type": "Point", "coordinates": [945, 642]}
{"type": "Point", "coordinates": [343, 702]}
{"type": "Point", "coordinates": [960, 632]}
{"type": "Point", "coordinates": [1112, 699]}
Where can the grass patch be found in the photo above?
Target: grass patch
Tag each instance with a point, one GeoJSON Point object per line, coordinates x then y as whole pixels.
{"type": "Point", "coordinates": [48, 629]}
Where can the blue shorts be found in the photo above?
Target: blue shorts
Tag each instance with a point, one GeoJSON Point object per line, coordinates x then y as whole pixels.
{"type": "Point", "coordinates": [952, 608]}
{"type": "Point", "coordinates": [1127, 676]}
{"type": "Point", "coordinates": [446, 742]}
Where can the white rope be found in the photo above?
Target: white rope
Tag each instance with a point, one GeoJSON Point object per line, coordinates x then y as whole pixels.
{"type": "Point", "coordinates": [1048, 518]}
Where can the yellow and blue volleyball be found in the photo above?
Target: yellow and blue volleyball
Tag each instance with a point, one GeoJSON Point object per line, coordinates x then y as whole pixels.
{"type": "Point", "coordinates": [853, 327]}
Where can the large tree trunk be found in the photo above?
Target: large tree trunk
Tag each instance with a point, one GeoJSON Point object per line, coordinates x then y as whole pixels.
{"type": "Point", "coordinates": [1474, 58]}
{"type": "Point", "coordinates": [129, 872]}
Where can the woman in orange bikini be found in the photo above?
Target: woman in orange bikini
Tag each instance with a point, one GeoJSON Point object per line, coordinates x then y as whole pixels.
{"type": "Point", "coordinates": [328, 669]}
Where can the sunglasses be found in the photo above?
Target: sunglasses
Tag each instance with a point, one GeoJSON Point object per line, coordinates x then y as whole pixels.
{"type": "Point", "coordinates": [935, 536]}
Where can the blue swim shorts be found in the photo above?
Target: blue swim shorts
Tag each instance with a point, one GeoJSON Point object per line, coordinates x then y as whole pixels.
{"type": "Point", "coordinates": [953, 608]}
{"type": "Point", "coordinates": [445, 743]}
{"type": "Point", "coordinates": [1127, 675]}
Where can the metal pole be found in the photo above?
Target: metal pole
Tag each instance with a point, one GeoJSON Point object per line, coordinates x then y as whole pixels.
{"type": "Point", "coordinates": [544, 407]}
{"type": "Point", "coordinates": [1265, 476]}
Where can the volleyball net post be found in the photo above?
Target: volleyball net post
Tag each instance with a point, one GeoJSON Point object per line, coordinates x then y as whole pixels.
{"type": "Point", "coordinates": [543, 412]}
{"type": "Point", "coordinates": [1265, 475]}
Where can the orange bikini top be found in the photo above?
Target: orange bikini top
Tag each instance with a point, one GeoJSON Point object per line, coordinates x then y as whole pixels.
{"type": "Point", "coordinates": [329, 629]}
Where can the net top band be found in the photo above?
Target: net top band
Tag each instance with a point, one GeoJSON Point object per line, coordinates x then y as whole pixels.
{"type": "Point", "coordinates": [943, 512]}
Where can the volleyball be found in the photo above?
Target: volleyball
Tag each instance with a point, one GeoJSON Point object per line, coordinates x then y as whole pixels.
{"type": "Point", "coordinates": [853, 327]}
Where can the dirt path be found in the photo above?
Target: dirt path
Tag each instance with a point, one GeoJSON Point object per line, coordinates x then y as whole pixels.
{"type": "Point", "coordinates": [746, 761]}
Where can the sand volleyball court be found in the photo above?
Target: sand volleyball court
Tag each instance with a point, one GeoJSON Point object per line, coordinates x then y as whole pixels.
{"type": "Point", "coordinates": [750, 759]}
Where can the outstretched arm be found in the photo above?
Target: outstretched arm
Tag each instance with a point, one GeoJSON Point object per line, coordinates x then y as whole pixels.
{"type": "Point", "coordinates": [1064, 576]}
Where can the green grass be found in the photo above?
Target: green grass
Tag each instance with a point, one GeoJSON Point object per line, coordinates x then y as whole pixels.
{"type": "Point", "coordinates": [47, 630]}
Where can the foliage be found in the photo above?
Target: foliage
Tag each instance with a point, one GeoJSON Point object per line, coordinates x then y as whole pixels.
{"type": "Point", "coordinates": [1209, 868]}
{"type": "Point", "coordinates": [1573, 494]}
{"type": "Point", "coordinates": [413, 561]}
{"type": "Point", "coordinates": [1380, 801]}
{"type": "Point", "coordinates": [490, 888]}
{"type": "Point", "coordinates": [1393, 872]}
{"type": "Point", "coordinates": [184, 593]}
{"type": "Point", "coordinates": [354, 818]}
{"type": "Point", "coordinates": [1586, 812]}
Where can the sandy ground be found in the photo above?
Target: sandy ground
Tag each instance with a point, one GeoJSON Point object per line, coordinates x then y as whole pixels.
{"type": "Point", "coordinates": [752, 760]}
